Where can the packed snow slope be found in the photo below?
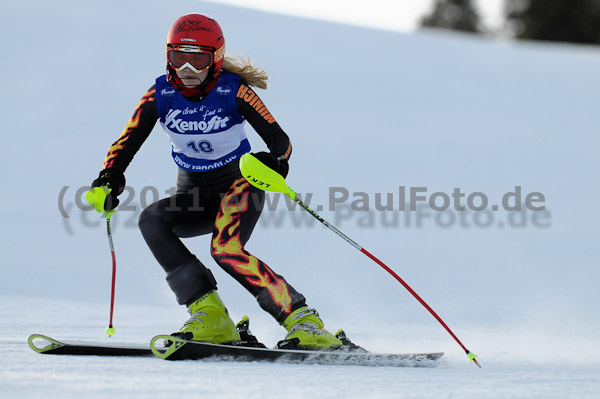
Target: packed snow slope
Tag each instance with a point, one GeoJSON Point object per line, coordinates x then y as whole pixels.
{"type": "Point", "coordinates": [368, 112]}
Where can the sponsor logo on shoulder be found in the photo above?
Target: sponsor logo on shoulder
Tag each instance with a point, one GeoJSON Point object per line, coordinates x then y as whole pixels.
{"type": "Point", "coordinates": [224, 90]}
{"type": "Point", "coordinates": [167, 92]}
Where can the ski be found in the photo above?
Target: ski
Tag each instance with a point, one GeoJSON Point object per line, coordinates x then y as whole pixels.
{"type": "Point", "coordinates": [46, 345]}
{"type": "Point", "coordinates": [249, 349]}
{"type": "Point", "coordinates": [177, 348]}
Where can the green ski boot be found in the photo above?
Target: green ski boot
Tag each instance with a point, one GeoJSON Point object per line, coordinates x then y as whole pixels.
{"type": "Point", "coordinates": [210, 321]}
{"type": "Point", "coordinates": [306, 325]}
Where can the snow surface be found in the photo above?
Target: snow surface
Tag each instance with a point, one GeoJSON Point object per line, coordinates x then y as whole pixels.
{"type": "Point", "coordinates": [367, 110]}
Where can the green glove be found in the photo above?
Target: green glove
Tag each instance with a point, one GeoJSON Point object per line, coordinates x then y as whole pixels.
{"type": "Point", "coordinates": [96, 197]}
{"type": "Point", "coordinates": [105, 190]}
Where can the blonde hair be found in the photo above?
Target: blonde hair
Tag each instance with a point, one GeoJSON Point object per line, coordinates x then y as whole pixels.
{"type": "Point", "coordinates": [242, 67]}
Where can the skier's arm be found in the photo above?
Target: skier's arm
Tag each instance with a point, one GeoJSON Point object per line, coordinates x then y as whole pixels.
{"type": "Point", "coordinates": [122, 152]}
{"type": "Point", "coordinates": [256, 113]}
{"type": "Point", "coordinates": [135, 133]}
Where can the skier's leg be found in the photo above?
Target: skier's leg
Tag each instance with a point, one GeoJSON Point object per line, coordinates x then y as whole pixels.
{"type": "Point", "coordinates": [162, 224]}
{"type": "Point", "coordinates": [240, 208]}
{"type": "Point", "coordinates": [239, 211]}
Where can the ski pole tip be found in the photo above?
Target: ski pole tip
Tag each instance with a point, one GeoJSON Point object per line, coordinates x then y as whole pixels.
{"type": "Point", "coordinates": [110, 330]}
{"type": "Point", "coordinates": [473, 358]}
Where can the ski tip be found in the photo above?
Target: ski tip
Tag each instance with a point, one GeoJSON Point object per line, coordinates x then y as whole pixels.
{"type": "Point", "coordinates": [47, 342]}
{"type": "Point", "coordinates": [171, 345]}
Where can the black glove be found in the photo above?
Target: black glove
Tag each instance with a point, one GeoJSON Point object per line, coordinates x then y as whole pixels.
{"type": "Point", "coordinates": [280, 166]}
{"type": "Point", "coordinates": [113, 179]}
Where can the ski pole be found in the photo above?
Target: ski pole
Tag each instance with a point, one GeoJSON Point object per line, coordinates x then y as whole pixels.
{"type": "Point", "coordinates": [96, 197]}
{"type": "Point", "coordinates": [110, 330]}
{"type": "Point", "coordinates": [261, 176]}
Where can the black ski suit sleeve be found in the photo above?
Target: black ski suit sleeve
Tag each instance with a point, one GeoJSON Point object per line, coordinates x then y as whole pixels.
{"type": "Point", "coordinates": [135, 133]}
{"type": "Point", "coordinates": [256, 113]}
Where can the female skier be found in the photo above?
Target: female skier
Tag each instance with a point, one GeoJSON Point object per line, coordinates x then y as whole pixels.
{"type": "Point", "coordinates": [203, 102]}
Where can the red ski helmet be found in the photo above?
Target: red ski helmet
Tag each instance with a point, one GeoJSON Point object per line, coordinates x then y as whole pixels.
{"type": "Point", "coordinates": [198, 41]}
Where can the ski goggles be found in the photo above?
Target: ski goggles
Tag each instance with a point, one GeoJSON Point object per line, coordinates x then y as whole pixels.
{"type": "Point", "coordinates": [192, 57]}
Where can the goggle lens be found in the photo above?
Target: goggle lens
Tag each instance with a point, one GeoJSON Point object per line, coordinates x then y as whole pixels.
{"type": "Point", "coordinates": [199, 60]}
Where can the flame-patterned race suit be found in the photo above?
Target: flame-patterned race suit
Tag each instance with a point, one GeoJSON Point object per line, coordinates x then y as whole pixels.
{"type": "Point", "coordinates": [212, 197]}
